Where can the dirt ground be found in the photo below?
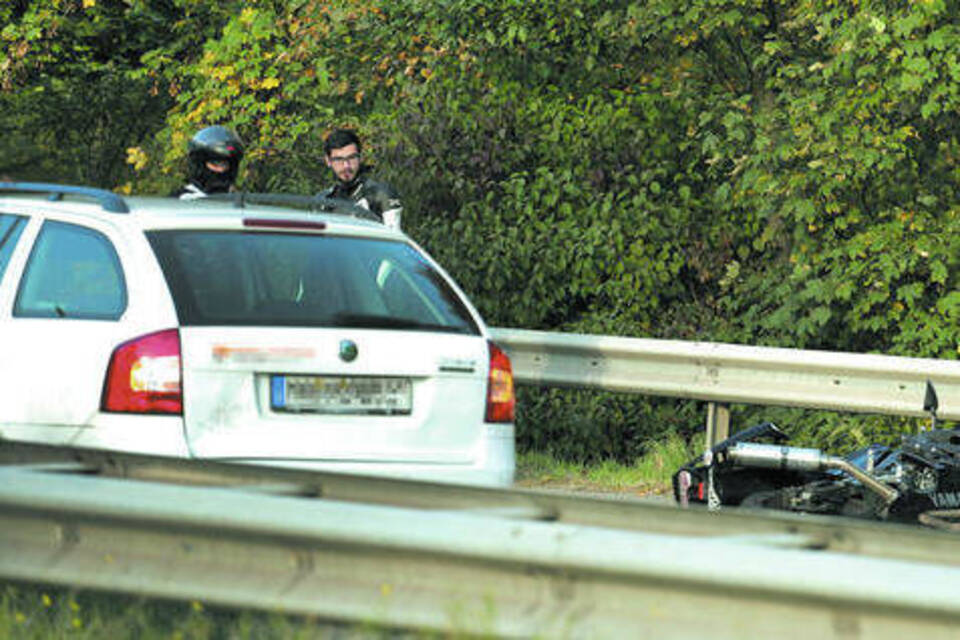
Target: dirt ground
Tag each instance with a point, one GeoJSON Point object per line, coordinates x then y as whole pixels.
{"type": "Point", "coordinates": [579, 486]}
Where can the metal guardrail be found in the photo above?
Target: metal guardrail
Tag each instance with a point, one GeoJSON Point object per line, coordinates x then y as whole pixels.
{"type": "Point", "coordinates": [464, 559]}
{"type": "Point", "coordinates": [733, 373]}
{"type": "Point", "coordinates": [729, 373]}
{"type": "Point", "coordinates": [650, 515]}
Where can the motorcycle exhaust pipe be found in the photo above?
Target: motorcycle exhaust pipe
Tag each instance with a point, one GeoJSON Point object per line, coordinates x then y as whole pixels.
{"type": "Point", "coordinates": [774, 456]}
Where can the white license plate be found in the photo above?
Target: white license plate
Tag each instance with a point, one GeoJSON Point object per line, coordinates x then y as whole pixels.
{"type": "Point", "coordinates": [341, 394]}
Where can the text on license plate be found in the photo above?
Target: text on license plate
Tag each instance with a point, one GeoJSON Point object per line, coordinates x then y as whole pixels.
{"type": "Point", "coordinates": [341, 394]}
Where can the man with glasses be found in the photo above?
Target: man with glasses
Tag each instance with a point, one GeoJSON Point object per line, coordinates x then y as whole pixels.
{"type": "Point", "coordinates": [341, 152]}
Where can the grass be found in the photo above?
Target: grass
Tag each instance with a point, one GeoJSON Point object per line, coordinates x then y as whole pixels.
{"type": "Point", "coordinates": [39, 612]}
{"type": "Point", "coordinates": [649, 475]}
{"type": "Point", "coordinates": [43, 612]}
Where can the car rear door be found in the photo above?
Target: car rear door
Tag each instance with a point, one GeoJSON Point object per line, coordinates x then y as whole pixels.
{"type": "Point", "coordinates": [333, 394]}
{"type": "Point", "coordinates": [300, 346]}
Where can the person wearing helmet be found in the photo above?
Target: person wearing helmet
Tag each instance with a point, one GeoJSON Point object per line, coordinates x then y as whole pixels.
{"type": "Point", "coordinates": [213, 156]}
{"type": "Point", "coordinates": [341, 152]}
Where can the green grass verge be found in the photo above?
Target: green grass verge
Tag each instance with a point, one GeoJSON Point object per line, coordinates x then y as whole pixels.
{"type": "Point", "coordinates": [42, 612]}
{"type": "Point", "coordinates": [650, 474]}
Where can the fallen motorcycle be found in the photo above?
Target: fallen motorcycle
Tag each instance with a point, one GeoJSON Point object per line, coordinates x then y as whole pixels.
{"type": "Point", "coordinates": [917, 482]}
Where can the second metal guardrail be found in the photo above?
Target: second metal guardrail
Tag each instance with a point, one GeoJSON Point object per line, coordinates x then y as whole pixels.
{"type": "Point", "coordinates": [729, 373]}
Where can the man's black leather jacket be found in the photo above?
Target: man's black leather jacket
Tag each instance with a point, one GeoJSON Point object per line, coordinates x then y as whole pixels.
{"type": "Point", "coordinates": [379, 197]}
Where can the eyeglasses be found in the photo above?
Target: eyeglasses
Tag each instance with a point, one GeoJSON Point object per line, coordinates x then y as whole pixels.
{"type": "Point", "coordinates": [353, 157]}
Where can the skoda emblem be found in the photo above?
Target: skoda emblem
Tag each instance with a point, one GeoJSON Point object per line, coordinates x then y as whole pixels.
{"type": "Point", "coordinates": [348, 350]}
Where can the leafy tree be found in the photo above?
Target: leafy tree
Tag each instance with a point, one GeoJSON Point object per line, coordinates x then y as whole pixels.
{"type": "Point", "coordinates": [73, 96]}
{"type": "Point", "coordinates": [865, 192]}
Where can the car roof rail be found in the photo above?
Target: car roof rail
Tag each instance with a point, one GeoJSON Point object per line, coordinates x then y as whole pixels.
{"type": "Point", "coordinates": [317, 203]}
{"type": "Point", "coordinates": [108, 200]}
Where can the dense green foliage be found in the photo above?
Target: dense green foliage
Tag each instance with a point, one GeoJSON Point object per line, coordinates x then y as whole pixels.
{"type": "Point", "coordinates": [753, 171]}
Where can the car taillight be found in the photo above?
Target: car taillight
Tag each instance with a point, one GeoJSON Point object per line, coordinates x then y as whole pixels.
{"type": "Point", "coordinates": [144, 375]}
{"type": "Point", "coordinates": [501, 398]}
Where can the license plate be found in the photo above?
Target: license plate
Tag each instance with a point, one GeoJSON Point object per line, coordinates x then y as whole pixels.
{"type": "Point", "coordinates": [341, 394]}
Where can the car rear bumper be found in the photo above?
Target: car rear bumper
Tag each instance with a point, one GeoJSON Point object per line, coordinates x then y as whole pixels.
{"type": "Point", "coordinates": [493, 464]}
{"type": "Point", "coordinates": [157, 435]}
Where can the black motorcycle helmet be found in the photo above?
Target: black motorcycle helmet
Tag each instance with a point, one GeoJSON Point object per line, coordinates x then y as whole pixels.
{"type": "Point", "coordinates": [218, 144]}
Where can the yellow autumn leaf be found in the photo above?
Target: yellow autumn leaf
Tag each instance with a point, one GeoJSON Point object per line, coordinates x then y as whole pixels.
{"type": "Point", "coordinates": [89, 4]}
{"type": "Point", "coordinates": [137, 157]}
{"type": "Point", "coordinates": [197, 113]}
{"type": "Point", "coordinates": [270, 83]}
{"type": "Point", "coordinates": [222, 73]}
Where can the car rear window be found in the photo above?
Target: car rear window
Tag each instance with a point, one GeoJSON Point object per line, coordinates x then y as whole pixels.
{"type": "Point", "coordinates": [305, 280]}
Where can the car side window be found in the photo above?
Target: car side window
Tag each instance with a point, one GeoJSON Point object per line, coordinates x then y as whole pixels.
{"type": "Point", "coordinates": [10, 228]}
{"type": "Point", "coordinates": [73, 272]}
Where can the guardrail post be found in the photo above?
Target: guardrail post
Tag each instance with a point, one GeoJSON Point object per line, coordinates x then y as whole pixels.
{"type": "Point", "coordinates": [718, 423]}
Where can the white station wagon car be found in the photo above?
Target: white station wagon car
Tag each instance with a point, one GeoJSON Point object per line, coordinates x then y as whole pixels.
{"type": "Point", "coordinates": [223, 329]}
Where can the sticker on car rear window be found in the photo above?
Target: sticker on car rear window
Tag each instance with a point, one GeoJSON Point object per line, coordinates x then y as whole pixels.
{"type": "Point", "coordinates": [223, 352]}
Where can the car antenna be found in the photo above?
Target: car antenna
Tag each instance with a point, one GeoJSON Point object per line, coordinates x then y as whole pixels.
{"type": "Point", "coordinates": [930, 404]}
